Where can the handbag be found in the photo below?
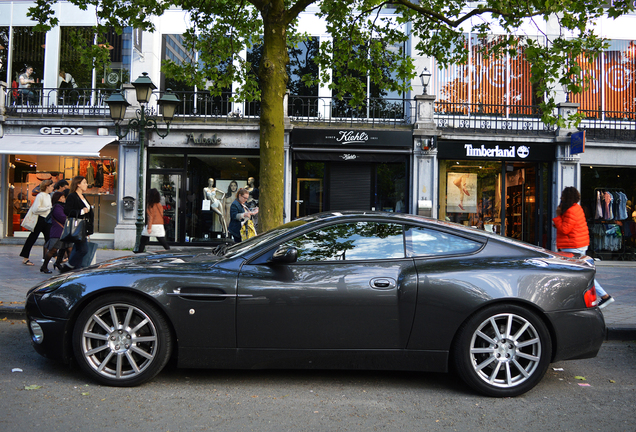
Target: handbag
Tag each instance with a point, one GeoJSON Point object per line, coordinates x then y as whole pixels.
{"type": "Point", "coordinates": [30, 220]}
{"type": "Point", "coordinates": [74, 230]}
{"type": "Point", "coordinates": [91, 254]}
{"type": "Point", "coordinates": [156, 231]}
{"type": "Point", "coordinates": [247, 230]}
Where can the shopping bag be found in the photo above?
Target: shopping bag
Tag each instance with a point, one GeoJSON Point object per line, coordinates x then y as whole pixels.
{"type": "Point", "coordinates": [91, 254]}
{"type": "Point", "coordinates": [74, 230]}
{"type": "Point", "coordinates": [30, 220]}
{"type": "Point", "coordinates": [247, 230]}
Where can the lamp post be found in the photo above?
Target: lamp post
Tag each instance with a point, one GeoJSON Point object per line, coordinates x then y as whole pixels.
{"type": "Point", "coordinates": [425, 78]}
{"type": "Point", "coordinates": [118, 104]}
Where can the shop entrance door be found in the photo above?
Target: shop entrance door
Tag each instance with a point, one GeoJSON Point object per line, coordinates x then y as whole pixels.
{"type": "Point", "coordinates": [308, 196]}
{"type": "Point", "coordinates": [169, 187]}
{"type": "Point", "coordinates": [524, 210]}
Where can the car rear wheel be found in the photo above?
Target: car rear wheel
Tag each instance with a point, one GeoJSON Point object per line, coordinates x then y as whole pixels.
{"type": "Point", "coordinates": [502, 351]}
{"type": "Point", "coordinates": [121, 340]}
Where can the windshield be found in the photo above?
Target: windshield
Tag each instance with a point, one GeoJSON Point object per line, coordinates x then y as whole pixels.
{"type": "Point", "coordinates": [240, 248]}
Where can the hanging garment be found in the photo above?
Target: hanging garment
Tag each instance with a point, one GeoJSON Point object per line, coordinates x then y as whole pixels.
{"type": "Point", "coordinates": [598, 214]}
{"type": "Point", "coordinates": [607, 206]}
{"type": "Point", "coordinates": [621, 206]}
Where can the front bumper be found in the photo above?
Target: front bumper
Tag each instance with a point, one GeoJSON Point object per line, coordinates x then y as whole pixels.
{"type": "Point", "coordinates": [54, 344]}
{"type": "Point", "coordinates": [579, 334]}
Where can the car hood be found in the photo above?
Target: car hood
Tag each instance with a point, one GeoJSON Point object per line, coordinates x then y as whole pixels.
{"type": "Point", "coordinates": [178, 256]}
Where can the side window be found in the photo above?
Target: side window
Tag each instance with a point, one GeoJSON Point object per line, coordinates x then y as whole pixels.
{"type": "Point", "coordinates": [351, 241]}
{"type": "Point", "coordinates": [428, 242]}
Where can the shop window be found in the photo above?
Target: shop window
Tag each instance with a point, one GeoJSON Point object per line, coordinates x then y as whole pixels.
{"type": "Point", "coordinates": [379, 103]}
{"type": "Point", "coordinates": [4, 53]}
{"type": "Point", "coordinates": [100, 173]}
{"type": "Point", "coordinates": [166, 161]}
{"type": "Point", "coordinates": [487, 81]}
{"type": "Point", "coordinates": [194, 100]}
{"type": "Point", "coordinates": [611, 88]}
{"type": "Point", "coordinates": [612, 233]}
{"type": "Point", "coordinates": [470, 194]}
{"type": "Point", "coordinates": [28, 50]}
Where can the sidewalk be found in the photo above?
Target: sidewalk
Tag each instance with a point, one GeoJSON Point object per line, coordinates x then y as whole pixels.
{"type": "Point", "coordinates": [618, 279]}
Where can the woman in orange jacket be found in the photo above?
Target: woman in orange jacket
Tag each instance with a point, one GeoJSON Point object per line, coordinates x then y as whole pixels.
{"type": "Point", "coordinates": [154, 226]}
{"type": "Point", "coordinates": [572, 232]}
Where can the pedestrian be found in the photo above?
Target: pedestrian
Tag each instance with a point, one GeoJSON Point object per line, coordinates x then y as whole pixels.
{"type": "Point", "coordinates": [78, 207]}
{"type": "Point", "coordinates": [56, 246]}
{"type": "Point", "coordinates": [41, 207]}
{"type": "Point", "coordinates": [60, 186]}
{"type": "Point", "coordinates": [154, 226]}
{"type": "Point", "coordinates": [239, 213]}
{"type": "Point", "coordinates": [573, 234]}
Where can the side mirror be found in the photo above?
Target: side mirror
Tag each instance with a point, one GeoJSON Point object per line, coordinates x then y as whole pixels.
{"type": "Point", "coordinates": [285, 255]}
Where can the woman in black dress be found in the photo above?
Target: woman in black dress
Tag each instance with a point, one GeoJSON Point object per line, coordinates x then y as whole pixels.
{"type": "Point", "coordinates": [78, 207]}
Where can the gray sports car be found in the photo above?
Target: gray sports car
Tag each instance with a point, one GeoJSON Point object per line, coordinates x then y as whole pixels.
{"type": "Point", "coordinates": [351, 290]}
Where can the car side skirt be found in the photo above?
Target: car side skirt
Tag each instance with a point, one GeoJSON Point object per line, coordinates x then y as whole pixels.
{"type": "Point", "coordinates": [413, 360]}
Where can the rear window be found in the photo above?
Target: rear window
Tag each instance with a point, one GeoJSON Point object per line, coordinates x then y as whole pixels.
{"type": "Point", "coordinates": [428, 242]}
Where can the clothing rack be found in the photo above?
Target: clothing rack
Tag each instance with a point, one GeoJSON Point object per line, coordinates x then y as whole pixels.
{"type": "Point", "coordinates": [607, 236]}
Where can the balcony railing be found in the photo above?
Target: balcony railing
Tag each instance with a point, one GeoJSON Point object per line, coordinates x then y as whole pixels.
{"type": "Point", "coordinates": [491, 119]}
{"type": "Point", "coordinates": [41, 102]}
{"type": "Point", "coordinates": [608, 125]}
{"type": "Point", "coordinates": [451, 118]}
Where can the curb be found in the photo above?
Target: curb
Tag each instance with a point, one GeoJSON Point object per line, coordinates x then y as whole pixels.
{"type": "Point", "coordinates": [618, 332]}
{"type": "Point", "coordinates": [615, 332]}
{"type": "Point", "coordinates": [12, 312]}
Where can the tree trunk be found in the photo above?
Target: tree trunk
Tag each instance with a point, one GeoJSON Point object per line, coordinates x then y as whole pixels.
{"type": "Point", "coordinates": [273, 77]}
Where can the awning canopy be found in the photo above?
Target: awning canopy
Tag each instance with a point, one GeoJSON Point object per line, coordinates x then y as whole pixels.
{"type": "Point", "coordinates": [56, 145]}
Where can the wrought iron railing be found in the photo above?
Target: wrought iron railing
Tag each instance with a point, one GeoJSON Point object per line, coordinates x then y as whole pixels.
{"type": "Point", "coordinates": [374, 112]}
{"type": "Point", "coordinates": [608, 125]}
{"type": "Point", "coordinates": [491, 119]}
{"type": "Point", "coordinates": [41, 102]}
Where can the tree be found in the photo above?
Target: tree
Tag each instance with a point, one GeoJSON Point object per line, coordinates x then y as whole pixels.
{"type": "Point", "coordinates": [363, 44]}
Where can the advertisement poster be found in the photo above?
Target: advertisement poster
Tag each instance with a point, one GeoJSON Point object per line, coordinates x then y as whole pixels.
{"type": "Point", "coordinates": [461, 193]}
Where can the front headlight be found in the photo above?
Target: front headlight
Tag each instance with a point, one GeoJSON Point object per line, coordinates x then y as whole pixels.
{"type": "Point", "coordinates": [37, 332]}
{"type": "Point", "coordinates": [48, 286]}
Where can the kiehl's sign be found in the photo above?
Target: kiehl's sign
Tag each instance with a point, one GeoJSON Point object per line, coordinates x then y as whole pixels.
{"type": "Point", "coordinates": [351, 137]}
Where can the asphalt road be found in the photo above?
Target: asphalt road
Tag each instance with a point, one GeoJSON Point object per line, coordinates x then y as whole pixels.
{"type": "Point", "coordinates": [63, 399]}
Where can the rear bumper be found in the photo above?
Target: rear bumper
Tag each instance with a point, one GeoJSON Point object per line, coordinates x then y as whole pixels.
{"type": "Point", "coordinates": [579, 334]}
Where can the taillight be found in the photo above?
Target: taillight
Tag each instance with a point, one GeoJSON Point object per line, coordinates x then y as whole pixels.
{"type": "Point", "coordinates": [590, 297]}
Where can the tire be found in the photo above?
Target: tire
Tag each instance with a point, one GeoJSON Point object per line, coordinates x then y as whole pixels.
{"type": "Point", "coordinates": [121, 340]}
{"type": "Point", "coordinates": [502, 351]}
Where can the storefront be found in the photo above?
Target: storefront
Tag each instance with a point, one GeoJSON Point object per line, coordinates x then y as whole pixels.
{"type": "Point", "coordinates": [350, 169]}
{"type": "Point", "coordinates": [500, 187]}
{"type": "Point", "coordinates": [197, 175]}
{"type": "Point", "coordinates": [608, 194]}
{"type": "Point", "coordinates": [56, 153]}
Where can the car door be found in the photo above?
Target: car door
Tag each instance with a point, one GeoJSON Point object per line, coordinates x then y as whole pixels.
{"type": "Point", "coordinates": [352, 287]}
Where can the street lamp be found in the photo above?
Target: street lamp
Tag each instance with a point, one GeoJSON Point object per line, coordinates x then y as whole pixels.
{"type": "Point", "coordinates": [118, 104]}
{"type": "Point", "coordinates": [425, 78]}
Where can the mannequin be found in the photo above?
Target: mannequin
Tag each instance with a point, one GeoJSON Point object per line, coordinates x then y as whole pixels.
{"type": "Point", "coordinates": [230, 196]}
{"type": "Point", "coordinates": [212, 194]}
{"type": "Point", "coordinates": [253, 190]}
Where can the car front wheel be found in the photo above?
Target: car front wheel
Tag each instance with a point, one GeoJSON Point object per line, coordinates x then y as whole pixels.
{"type": "Point", "coordinates": [502, 351]}
{"type": "Point", "coordinates": [121, 340]}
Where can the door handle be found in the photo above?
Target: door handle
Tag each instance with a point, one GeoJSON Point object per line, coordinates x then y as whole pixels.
{"type": "Point", "coordinates": [382, 283]}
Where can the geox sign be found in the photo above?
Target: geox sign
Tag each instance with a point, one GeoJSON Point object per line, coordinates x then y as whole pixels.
{"type": "Point", "coordinates": [496, 152]}
{"type": "Point", "coordinates": [214, 139]}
